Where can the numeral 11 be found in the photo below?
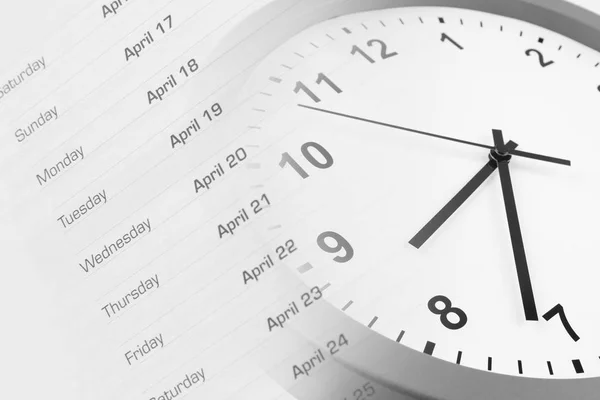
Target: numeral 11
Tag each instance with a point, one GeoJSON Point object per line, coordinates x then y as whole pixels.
{"type": "Point", "coordinates": [320, 78]}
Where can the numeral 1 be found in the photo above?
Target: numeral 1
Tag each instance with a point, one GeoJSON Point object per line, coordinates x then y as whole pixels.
{"type": "Point", "coordinates": [356, 49]}
{"type": "Point", "coordinates": [323, 78]}
{"type": "Point", "coordinates": [287, 159]}
{"type": "Point", "coordinates": [448, 38]}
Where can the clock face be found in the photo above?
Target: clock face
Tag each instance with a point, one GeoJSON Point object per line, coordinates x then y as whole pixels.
{"type": "Point", "coordinates": [337, 138]}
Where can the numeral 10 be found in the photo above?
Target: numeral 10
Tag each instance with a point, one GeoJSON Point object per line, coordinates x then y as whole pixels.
{"type": "Point", "coordinates": [286, 159]}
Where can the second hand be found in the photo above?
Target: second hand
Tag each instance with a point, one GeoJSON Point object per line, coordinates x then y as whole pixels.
{"type": "Point", "coordinates": [519, 153]}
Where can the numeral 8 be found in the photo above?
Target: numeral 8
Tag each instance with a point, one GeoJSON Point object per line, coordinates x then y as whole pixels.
{"type": "Point", "coordinates": [448, 309]}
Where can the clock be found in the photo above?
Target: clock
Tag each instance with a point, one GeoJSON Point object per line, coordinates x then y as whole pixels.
{"type": "Point", "coordinates": [433, 167]}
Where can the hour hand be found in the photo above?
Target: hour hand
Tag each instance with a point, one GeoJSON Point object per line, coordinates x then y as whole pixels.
{"type": "Point", "coordinates": [450, 208]}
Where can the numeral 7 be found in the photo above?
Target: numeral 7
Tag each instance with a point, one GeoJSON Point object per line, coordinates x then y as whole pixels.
{"type": "Point", "coordinates": [559, 310]}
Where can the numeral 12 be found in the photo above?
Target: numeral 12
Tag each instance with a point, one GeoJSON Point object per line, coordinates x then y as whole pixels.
{"type": "Point", "coordinates": [384, 53]}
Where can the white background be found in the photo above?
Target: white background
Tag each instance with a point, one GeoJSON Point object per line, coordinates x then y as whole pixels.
{"type": "Point", "coordinates": [29, 350]}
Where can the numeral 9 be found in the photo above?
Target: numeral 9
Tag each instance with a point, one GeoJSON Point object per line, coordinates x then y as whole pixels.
{"type": "Point", "coordinates": [340, 244]}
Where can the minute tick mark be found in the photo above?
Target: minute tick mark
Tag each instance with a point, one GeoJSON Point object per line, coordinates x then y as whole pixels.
{"type": "Point", "coordinates": [578, 367]}
{"type": "Point", "coordinates": [520, 366]}
{"type": "Point", "coordinates": [375, 318]}
{"type": "Point", "coordinates": [305, 268]}
{"type": "Point", "coordinates": [400, 336]}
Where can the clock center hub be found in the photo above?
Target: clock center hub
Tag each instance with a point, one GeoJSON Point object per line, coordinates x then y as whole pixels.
{"type": "Point", "coordinates": [498, 156]}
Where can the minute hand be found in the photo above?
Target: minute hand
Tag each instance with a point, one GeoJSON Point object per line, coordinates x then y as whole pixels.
{"type": "Point", "coordinates": [515, 234]}
{"type": "Point", "coordinates": [519, 153]}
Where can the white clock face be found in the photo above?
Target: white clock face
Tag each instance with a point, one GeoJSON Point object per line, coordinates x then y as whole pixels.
{"type": "Point", "coordinates": [353, 192]}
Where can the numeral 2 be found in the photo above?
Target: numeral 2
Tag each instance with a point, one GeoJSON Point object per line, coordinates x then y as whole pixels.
{"type": "Point", "coordinates": [540, 56]}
